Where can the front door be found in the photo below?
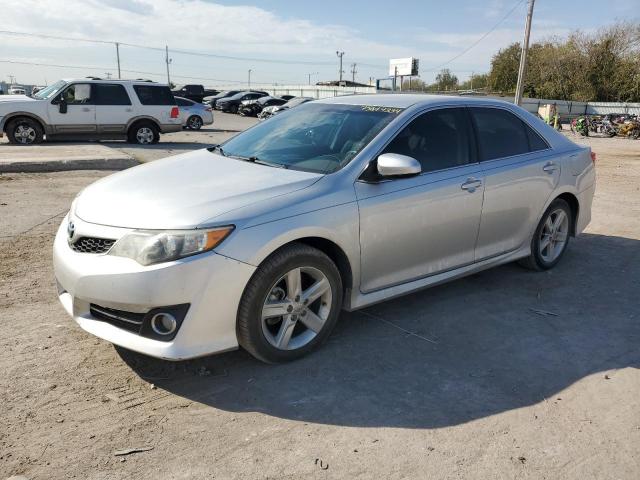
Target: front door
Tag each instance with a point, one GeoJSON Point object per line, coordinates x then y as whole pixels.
{"type": "Point", "coordinates": [80, 115]}
{"type": "Point", "coordinates": [414, 227]}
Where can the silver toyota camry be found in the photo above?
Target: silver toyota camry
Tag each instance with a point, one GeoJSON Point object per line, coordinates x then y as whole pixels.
{"type": "Point", "coordinates": [338, 204]}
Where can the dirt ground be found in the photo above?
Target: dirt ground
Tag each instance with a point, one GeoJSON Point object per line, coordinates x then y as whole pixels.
{"type": "Point", "coordinates": [505, 374]}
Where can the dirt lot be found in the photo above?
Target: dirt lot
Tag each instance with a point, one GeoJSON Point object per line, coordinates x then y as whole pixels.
{"type": "Point", "coordinates": [467, 380]}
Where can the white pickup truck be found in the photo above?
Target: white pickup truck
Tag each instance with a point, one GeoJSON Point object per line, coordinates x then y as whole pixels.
{"type": "Point", "coordinates": [92, 109]}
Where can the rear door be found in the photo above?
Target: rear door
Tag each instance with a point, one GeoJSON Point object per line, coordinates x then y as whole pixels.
{"type": "Point", "coordinates": [419, 226]}
{"type": "Point", "coordinates": [113, 107]}
{"type": "Point", "coordinates": [521, 172]}
{"type": "Point", "coordinates": [80, 116]}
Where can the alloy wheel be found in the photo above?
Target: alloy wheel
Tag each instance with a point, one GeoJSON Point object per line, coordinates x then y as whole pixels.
{"type": "Point", "coordinates": [144, 135]}
{"type": "Point", "coordinates": [296, 308]}
{"type": "Point", "coordinates": [553, 236]}
{"type": "Point", "coordinates": [25, 134]}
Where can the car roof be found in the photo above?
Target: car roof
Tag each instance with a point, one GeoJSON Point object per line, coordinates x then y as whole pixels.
{"type": "Point", "coordinates": [401, 100]}
{"type": "Point", "coordinates": [114, 80]}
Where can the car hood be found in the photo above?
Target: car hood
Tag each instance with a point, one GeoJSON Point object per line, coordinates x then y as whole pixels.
{"type": "Point", "coordinates": [16, 98]}
{"type": "Point", "coordinates": [184, 191]}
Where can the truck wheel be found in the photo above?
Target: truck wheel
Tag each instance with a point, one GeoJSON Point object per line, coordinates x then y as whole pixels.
{"type": "Point", "coordinates": [24, 131]}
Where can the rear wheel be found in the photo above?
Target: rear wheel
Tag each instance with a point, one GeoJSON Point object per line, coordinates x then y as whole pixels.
{"type": "Point", "coordinates": [143, 133]}
{"type": "Point", "coordinates": [24, 131]}
{"type": "Point", "coordinates": [290, 305]}
{"type": "Point", "coordinates": [194, 122]}
{"type": "Point", "coordinates": [551, 237]}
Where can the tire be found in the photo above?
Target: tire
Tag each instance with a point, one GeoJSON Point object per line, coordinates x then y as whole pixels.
{"type": "Point", "coordinates": [635, 133]}
{"type": "Point", "coordinates": [194, 122]}
{"type": "Point", "coordinates": [269, 286]}
{"type": "Point", "coordinates": [143, 133]}
{"type": "Point", "coordinates": [538, 260]}
{"type": "Point", "coordinates": [24, 131]}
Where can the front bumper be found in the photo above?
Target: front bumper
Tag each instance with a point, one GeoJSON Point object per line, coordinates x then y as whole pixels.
{"type": "Point", "coordinates": [212, 284]}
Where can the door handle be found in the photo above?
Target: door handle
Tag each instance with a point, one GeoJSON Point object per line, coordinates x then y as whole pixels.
{"type": "Point", "coordinates": [550, 167]}
{"type": "Point", "coordinates": [471, 184]}
{"type": "Point", "coordinates": [86, 109]}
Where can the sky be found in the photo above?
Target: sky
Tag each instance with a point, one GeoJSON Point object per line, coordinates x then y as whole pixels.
{"type": "Point", "coordinates": [281, 41]}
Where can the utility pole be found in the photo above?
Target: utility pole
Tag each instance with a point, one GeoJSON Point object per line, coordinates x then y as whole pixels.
{"type": "Point", "coordinates": [309, 75]}
{"type": "Point", "coordinates": [108, 74]}
{"type": "Point", "coordinates": [523, 56]}
{"type": "Point", "coordinates": [118, 58]}
{"type": "Point", "coordinates": [353, 72]}
{"type": "Point", "coordinates": [340, 71]}
{"type": "Point", "coordinates": [395, 78]}
{"type": "Point", "coordinates": [168, 61]}
{"type": "Point", "coordinates": [249, 82]}
{"type": "Point", "coordinates": [471, 80]}
{"type": "Point", "coordinates": [12, 79]}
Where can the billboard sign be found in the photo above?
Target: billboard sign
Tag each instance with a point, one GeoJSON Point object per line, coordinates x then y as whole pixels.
{"type": "Point", "coordinates": [405, 66]}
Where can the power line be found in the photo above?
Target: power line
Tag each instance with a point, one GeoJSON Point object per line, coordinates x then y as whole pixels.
{"type": "Point", "coordinates": [479, 39]}
{"type": "Point", "coordinates": [174, 51]}
{"type": "Point", "coordinates": [84, 67]}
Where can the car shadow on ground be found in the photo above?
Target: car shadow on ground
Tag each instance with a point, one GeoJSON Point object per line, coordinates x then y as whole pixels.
{"type": "Point", "coordinates": [499, 340]}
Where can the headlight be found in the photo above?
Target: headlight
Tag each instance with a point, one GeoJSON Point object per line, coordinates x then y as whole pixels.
{"type": "Point", "coordinates": [148, 247]}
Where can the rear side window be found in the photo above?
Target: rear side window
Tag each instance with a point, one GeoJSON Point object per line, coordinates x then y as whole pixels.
{"type": "Point", "coordinates": [111, 94]}
{"type": "Point", "coordinates": [154, 95]}
{"type": "Point", "coordinates": [181, 102]}
{"type": "Point", "coordinates": [500, 133]}
{"type": "Point", "coordinates": [438, 139]}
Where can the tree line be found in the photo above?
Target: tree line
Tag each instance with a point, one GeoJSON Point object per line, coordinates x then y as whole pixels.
{"type": "Point", "coordinates": [599, 67]}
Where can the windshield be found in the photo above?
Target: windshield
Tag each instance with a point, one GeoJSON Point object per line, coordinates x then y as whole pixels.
{"type": "Point", "coordinates": [50, 91]}
{"type": "Point", "coordinates": [313, 137]}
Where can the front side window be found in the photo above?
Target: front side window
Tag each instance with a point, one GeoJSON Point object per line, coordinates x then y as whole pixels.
{"type": "Point", "coordinates": [438, 139]}
{"type": "Point", "coordinates": [154, 95]}
{"type": "Point", "coordinates": [78, 94]}
{"type": "Point", "coordinates": [315, 137]}
{"type": "Point", "coordinates": [111, 94]}
{"type": "Point", "coordinates": [500, 133]}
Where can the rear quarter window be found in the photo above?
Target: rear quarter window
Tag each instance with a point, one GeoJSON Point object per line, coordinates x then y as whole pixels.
{"type": "Point", "coordinates": [154, 95]}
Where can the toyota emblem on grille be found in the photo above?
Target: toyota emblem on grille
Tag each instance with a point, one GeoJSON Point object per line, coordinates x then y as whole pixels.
{"type": "Point", "coordinates": [71, 229]}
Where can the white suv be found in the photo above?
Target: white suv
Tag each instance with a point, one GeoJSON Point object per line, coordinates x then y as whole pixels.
{"type": "Point", "coordinates": [90, 108]}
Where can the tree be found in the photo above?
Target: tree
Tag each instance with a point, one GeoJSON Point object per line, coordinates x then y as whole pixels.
{"type": "Point", "coordinates": [504, 69]}
{"type": "Point", "coordinates": [446, 80]}
{"type": "Point", "coordinates": [478, 82]}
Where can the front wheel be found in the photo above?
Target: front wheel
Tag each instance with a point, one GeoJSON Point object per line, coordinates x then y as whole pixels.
{"type": "Point", "coordinates": [290, 305]}
{"type": "Point", "coordinates": [24, 131]}
{"type": "Point", "coordinates": [551, 237]}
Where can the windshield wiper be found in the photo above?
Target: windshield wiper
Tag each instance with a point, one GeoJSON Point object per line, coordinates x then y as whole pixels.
{"type": "Point", "coordinates": [219, 148]}
{"type": "Point", "coordinates": [255, 159]}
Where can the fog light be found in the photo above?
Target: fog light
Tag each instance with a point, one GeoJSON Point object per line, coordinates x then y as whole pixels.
{"type": "Point", "coordinates": [164, 323]}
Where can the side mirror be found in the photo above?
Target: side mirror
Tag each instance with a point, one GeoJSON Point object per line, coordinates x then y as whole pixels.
{"type": "Point", "coordinates": [62, 106]}
{"type": "Point", "coordinates": [396, 165]}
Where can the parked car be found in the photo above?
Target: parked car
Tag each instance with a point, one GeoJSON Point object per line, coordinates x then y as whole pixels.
{"type": "Point", "coordinates": [336, 204]}
{"type": "Point", "coordinates": [225, 94]}
{"type": "Point", "coordinates": [92, 109]}
{"type": "Point", "coordinates": [16, 90]}
{"type": "Point", "coordinates": [251, 108]}
{"type": "Point", "coordinates": [272, 110]}
{"type": "Point", "coordinates": [232, 104]}
{"type": "Point", "coordinates": [287, 97]}
{"type": "Point", "coordinates": [197, 93]}
{"type": "Point", "coordinates": [194, 115]}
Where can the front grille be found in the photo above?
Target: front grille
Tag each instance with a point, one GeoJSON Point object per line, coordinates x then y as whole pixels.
{"type": "Point", "coordinates": [118, 318]}
{"type": "Point", "coordinates": [92, 245]}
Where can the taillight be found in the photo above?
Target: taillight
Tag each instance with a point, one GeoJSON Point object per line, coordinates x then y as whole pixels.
{"type": "Point", "coordinates": [593, 157]}
{"type": "Point", "coordinates": [175, 112]}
